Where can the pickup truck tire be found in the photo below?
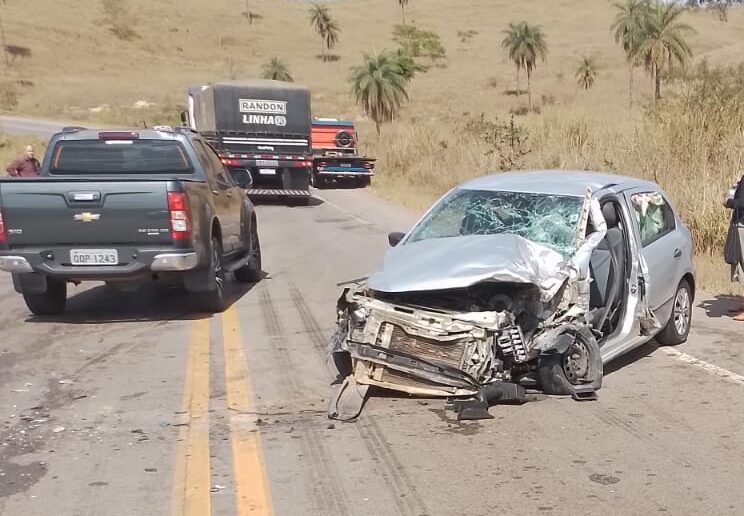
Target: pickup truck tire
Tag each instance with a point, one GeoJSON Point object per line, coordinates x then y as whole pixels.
{"type": "Point", "coordinates": [213, 301]}
{"type": "Point", "coordinates": [251, 271]}
{"type": "Point", "coordinates": [678, 326]}
{"type": "Point", "coordinates": [52, 302]}
{"type": "Point", "coordinates": [580, 366]}
{"type": "Point", "coordinates": [363, 182]}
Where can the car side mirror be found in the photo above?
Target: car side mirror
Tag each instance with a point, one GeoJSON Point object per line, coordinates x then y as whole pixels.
{"type": "Point", "coordinates": [184, 118]}
{"type": "Point", "coordinates": [395, 237]}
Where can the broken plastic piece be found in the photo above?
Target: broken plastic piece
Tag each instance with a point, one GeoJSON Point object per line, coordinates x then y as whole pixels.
{"type": "Point", "coordinates": [584, 394]}
{"type": "Point", "coordinates": [347, 399]}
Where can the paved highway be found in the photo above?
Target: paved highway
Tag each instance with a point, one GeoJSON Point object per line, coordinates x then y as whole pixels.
{"type": "Point", "coordinates": [133, 404]}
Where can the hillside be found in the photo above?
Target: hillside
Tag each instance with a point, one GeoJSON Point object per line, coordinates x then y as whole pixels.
{"type": "Point", "coordinates": [79, 70]}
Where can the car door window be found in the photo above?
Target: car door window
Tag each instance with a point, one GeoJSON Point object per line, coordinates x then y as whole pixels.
{"type": "Point", "coordinates": [653, 215]}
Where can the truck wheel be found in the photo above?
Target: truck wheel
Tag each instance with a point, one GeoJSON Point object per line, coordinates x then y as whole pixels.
{"type": "Point", "coordinates": [52, 302]}
{"type": "Point", "coordinates": [214, 300]}
{"type": "Point", "coordinates": [251, 271]}
{"type": "Point", "coordinates": [363, 182]}
{"type": "Point", "coordinates": [678, 327]}
{"type": "Point", "coordinates": [579, 366]}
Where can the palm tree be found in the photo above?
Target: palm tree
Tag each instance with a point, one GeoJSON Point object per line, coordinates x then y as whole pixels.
{"type": "Point", "coordinates": [276, 70]}
{"type": "Point", "coordinates": [525, 45]}
{"type": "Point", "coordinates": [331, 34]}
{"type": "Point", "coordinates": [403, 4]}
{"type": "Point", "coordinates": [628, 28]}
{"type": "Point", "coordinates": [319, 16]}
{"type": "Point", "coordinates": [663, 41]}
{"type": "Point", "coordinates": [326, 27]}
{"type": "Point", "coordinates": [586, 73]}
{"type": "Point", "coordinates": [379, 86]}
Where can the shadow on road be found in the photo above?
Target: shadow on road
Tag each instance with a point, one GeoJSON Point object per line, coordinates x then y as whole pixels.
{"type": "Point", "coordinates": [721, 305]}
{"type": "Point", "coordinates": [279, 201]}
{"type": "Point", "coordinates": [104, 304]}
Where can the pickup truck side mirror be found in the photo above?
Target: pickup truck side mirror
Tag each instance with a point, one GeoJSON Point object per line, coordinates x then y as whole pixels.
{"type": "Point", "coordinates": [184, 118]}
{"type": "Point", "coordinates": [395, 237]}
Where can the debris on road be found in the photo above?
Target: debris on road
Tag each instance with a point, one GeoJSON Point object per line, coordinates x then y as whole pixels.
{"type": "Point", "coordinates": [58, 429]}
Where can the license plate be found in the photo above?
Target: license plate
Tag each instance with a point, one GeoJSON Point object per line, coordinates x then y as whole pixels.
{"type": "Point", "coordinates": [267, 171]}
{"type": "Point", "coordinates": [267, 163]}
{"type": "Point", "coordinates": [94, 257]}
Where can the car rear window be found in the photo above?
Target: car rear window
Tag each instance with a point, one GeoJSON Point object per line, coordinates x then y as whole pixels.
{"type": "Point", "coordinates": [120, 157]}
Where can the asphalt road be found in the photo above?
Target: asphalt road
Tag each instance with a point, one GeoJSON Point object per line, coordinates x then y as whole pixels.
{"type": "Point", "coordinates": [133, 404]}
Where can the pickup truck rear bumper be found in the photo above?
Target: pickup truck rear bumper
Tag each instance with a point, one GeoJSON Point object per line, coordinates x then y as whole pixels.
{"type": "Point", "coordinates": [135, 264]}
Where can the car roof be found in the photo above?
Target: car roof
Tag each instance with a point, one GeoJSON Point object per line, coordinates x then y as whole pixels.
{"type": "Point", "coordinates": [555, 181]}
{"type": "Point", "coordinates": [144, 134]}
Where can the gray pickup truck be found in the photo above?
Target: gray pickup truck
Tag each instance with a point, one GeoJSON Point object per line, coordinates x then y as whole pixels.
{"type": "Point", "coordinates": [125, 208]}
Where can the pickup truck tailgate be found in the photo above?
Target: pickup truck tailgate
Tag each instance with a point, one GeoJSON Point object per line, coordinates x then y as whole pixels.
{"type": "Point", "coordinates": [51, 212]}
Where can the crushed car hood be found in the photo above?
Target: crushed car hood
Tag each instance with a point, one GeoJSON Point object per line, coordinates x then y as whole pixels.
{"type": "Point", "coordinates": [462, 261]}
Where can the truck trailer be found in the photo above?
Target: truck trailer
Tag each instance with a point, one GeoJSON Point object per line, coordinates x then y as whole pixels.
{"type": "Point", "coordinates": [261, 130]}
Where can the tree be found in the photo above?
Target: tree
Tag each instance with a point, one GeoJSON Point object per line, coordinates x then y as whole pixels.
{"type": "Point", "coordinates": [276, 70]}
{"type": "Point", "coordinates": [403, 4]}
{"type": "Point", "coordinates": [663, 41]}
{"type": "Point", "coordinates": [331, 34]}
{"type": "Point", "coordinates": [586, 73]}
{"type": "Point", "coordinates": [722, 7]}
{"type": "Point", "coordinates": [379, 86]}
{"type": "Point", "coordinates": [628, 29]}
{"type": "Point", "coordinates": [120, 22]}
{"type": "Point", "coordinates": [325, 26]}
{"type": "Point", "coordinates": [525, 45]}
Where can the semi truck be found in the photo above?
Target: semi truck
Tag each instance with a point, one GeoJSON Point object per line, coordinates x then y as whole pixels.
{"type": "Point", "coordinates": [261, 130]}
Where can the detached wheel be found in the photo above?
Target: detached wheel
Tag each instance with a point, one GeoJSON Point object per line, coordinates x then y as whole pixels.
{"type": "Point", "coordinates": [251, 271]}
{"type": "Point", "coordinates": [580, 365]}
{"type": "Point", "coordinates": [214, 300]}
{"type": "Point", "coordinates": [678, 326]}
{"type": "Point", "coordinates": [52, 302]}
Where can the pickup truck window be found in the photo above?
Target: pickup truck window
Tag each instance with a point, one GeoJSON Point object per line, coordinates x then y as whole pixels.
{"type": "Point", "coordinates": [119, 157]}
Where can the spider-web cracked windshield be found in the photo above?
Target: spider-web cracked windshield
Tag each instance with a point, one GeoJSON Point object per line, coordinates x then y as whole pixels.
{"type": "Point", "coordinates": [550, 220]}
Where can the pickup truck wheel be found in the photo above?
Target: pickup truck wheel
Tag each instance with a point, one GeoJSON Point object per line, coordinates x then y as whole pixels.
{"type": "Point", "coordinates": [678, 326]}
{"type": "Point", "coordinates": [214, 300]}
{"type": "Point", "coordinates": [579, 366]}
{"type": "Point", "coordinates": [251, 271]}
{"type": "Point", "coordinates": [52, 302]}
{"type": "Point", "coordinates": [363, 182]}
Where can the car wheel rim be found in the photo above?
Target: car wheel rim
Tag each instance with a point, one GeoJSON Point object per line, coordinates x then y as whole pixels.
{"type": "Point", "coordinates": [682, 311]}
{"type": "Point", "coordinates": [576, 362]}
{"type": "Point", "coordinates": [218, 273]}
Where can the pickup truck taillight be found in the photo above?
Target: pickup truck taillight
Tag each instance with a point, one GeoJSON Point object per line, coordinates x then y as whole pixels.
{"type": "Point", "coordinates": [180, 221]}
{"type": "Point", "coordinates": [3, 233]}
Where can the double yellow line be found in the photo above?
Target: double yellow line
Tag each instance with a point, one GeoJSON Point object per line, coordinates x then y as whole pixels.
{"type": "Point", "coordinates": [192, 482]}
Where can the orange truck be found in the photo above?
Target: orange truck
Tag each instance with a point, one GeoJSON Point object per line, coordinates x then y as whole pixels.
{"type": "Point", "coordinates": [336, 156]}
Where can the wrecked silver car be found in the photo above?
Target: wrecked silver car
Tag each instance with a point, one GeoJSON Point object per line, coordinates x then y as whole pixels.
{"type": "Point", "coordinates": [515, 282]}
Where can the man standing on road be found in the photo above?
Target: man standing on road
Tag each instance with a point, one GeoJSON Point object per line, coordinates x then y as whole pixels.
{"type": "Point", "coordinates": [27, 166]}
{"type": "Point", "coordinates": [734, 248]}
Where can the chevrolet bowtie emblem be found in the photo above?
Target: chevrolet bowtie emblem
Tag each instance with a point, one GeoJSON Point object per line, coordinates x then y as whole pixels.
{"type": "Point", "coordinates": [87, 216]}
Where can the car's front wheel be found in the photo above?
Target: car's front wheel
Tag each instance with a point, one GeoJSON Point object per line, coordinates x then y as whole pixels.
{"type": "Point", "coordinates": [678, 326]}
{"type": "Point", "coordinates": [51, 302]}
{"type": "Point", "coordinates": [579, 366]}
{"type": "Point", "coordinates": [251, 271]}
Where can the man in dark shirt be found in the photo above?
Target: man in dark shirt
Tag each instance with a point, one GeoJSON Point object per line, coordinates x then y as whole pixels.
{"type": "Point", "coordinates": [27, 166]}
{"type": "Point", "coordinates": [734, 248]}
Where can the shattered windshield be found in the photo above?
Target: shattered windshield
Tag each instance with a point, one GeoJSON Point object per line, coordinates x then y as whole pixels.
{"type": "Point", "coordinates": [550, 220]}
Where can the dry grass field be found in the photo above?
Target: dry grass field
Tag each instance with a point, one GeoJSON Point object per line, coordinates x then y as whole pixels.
{"type": "Point", "coordinates": [79, 70]}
